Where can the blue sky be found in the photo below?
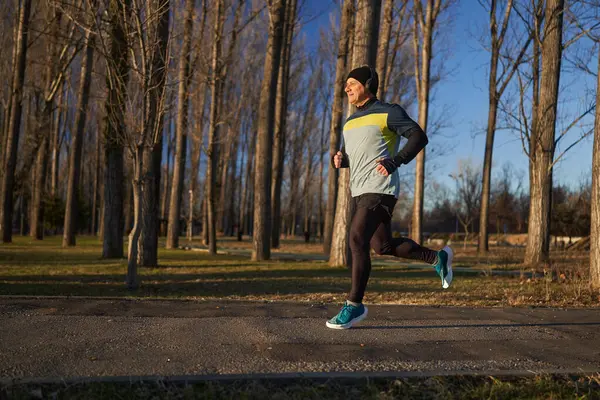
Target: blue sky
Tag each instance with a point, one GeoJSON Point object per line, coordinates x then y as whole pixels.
{"type": "Point", "coordinates": [465, 92]}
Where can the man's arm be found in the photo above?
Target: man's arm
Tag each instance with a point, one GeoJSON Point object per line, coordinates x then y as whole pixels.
{"type": "Point", "coordinates": [417, 140]}
{"type": "Point", "coordinates": [399, 122]}
{"type": "Point", "coordinates": [345, 162]}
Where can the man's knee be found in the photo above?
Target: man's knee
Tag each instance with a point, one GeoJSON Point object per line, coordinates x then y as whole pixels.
{"type": "Point", "coordinates": [380, 248]}
{"type": "Point", "coordinates": [357, 241]}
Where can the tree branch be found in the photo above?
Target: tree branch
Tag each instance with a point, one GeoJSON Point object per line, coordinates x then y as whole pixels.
{"type": "Point", "coordinates": [575, 121]}
{"type": "Point", "coordinates": [569, 148]}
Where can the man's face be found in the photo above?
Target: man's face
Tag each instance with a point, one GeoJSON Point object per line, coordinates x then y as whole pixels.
{"type": "Point", "coordinates": [356, 92]}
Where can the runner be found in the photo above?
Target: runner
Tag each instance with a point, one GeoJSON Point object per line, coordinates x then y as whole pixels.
{"type": "Point", "coordinates": [371, 150]}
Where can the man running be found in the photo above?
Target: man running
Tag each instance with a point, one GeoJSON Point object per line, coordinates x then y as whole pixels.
{"type": "Point", "coordinates": [371, 150]}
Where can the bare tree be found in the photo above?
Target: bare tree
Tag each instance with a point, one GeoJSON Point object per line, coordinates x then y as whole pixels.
{"type": "Point", "coordinates": [364, 52]}
{"type": "Point", "coordinates": [384, 44]}
{"type": "Point", "coordinates": [212, 151]}
{"type": "Point", "coordinates": [57, 61]}
{"type": "Point", "coordinates": [247, 193]}
{"type": "Point", "coordinates": [181, 141]}
{"type": "Point", "coordinates": [264, 145]}
{"type": "Point", "coordinates": [337, 112]}
{"type": "Point", "coordinates": [57, 139]}
{"type": "Point", "coordinates": [198, 131]}
{"type": "Point", "coordinates": [595, 198]}
{"type": "Point", "coordinates": [117, 79]}
{"type": "Point", "coordinates": [468, 193]}
{"type": "Point", "coordinates": [227, 159]}
{"type": "Point", "coordinates": [424, 27]}
{"type": "Point", "coordinates": [595, 187]}
{"type": "Point", "coordinates": [10, 20]}
{"type": "Point", "coordinates": [165, 200]}
{"type": "Point", "coordinates": [397, 74]}
{"type": "Point", "coordinates": [197, 139]}
{"type": "Point", "coordinates": [496, 87]}
{"type": "Point", "coordinates": [155, 101]}
{"type": "Point", "coordinates": [281, 119]}
{"type": "Point", "coordinates": [153, 38]}
{"type": "Point", "coordinates": [541, 152]}
{"type": "Point", "coordinates": [14, 124]}
{"type": "Point", "coordinates": [70, 225]}
{"type": "Point", "coordinates": [97, 185]}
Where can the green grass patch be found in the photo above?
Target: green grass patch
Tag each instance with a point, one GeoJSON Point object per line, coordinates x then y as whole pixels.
{"type": "Point", "coordinates": [455, 387]}
{"type": "Point", "coordinates": [44, 268]}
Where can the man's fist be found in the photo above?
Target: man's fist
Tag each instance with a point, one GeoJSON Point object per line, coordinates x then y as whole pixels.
{"type": "Point", "coordinates": [386, 166]}
{"type": "Point", "coordinates": [337, 159]}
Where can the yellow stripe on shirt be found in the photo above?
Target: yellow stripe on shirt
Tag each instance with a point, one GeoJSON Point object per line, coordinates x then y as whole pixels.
{"type": "Point", "coordinates": [379, 120]}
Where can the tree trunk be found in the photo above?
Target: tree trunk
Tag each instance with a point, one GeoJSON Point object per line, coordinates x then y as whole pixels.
{"type": "Point", "coordinates": [148, 252]}
{"type": "Point", "coordinates": [487, 163]}
{"type": "Point", "coordinates": [128, 203]}
{"type": "Point", "coordinates": [595, 206]}
{"type": "Point", "coordinates": [281, 120]}
{"type": "Point", "coordinates": [3, 123]}
{"type": "Point", "coordinates": [224, 166]}
{"type": "Point", "coordinates": [495, 94]}
{"type": "Point", "coordinates": [14, 125]}
{"type": "Point", "coordinates": [337, 112]}
{"type": "Point", "coordinates": [96, 190]}
{"type": "Point", "coordinates": [181, 143]}
{"type": "Point", "coordinates": [71, 217]}
{"type": "Point", "coordinates": [114, 132]}
{"type": "Point", "coordinates": [246, 193]}
{"type": "Point", "coordinates": [306, 195]}
{"type": "Point", "coordinates": [211, 168]}
{"type": "Point", "coordinates": [542, 155]}
{"type": "Point", "coordinates": [231, 191]}
{"type": "Point", "coordinates": [340, 249]}
{"type": "Point", "coordinates": [23, 215]}
{"type": "Point", "coordinates": [164, 210]}
{"type": "Point", "coordinates": [489, 139]}
{"type": "Point", "coordinates": [37, 196]}
{"type": "Point", "coordinates": [364, 52]}
{"type": "Point", "coordinates": [384, 45]}
{"type": "Point", "coordinates": [196, 153]}
{"type": "Point", "coordinates": [261, 237]}
{"type": "Point", "coordinates": [132, 281]}
{"type": "Point", "coordinates": [56, 143]}
{"type": "Point", "coordinates": [241, 187]}
{"type": "Point", "coordinates": [423, 57]}
{"type": "Point", "coordinates": [322, 153]}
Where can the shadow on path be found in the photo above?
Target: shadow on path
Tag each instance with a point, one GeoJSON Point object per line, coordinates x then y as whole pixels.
{"type": "Point", "coordinates": [480, 325]}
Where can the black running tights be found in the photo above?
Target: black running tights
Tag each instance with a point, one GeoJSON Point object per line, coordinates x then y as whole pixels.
{"type": "Point", "coordinates": [371, 228]}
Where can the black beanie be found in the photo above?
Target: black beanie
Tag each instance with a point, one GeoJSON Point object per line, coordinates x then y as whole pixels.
{"type": "Point", "coordinates": [363, 74]}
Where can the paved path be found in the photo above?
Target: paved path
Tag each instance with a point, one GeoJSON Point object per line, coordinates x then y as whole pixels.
{"type": "Point", "coordinates": [66, 338]}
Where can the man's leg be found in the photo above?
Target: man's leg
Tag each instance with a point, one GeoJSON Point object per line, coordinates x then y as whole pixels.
{"type": "Point", "coordinates": [366, 219]}
{"type": "Point", "coordinates": [383, 243]}
{"type": "Point", "coordinates": [364, 225]}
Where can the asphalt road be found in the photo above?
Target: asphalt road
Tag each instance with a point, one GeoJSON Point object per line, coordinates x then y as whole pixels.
{"type": "Point", "coordinates": [69, 338]}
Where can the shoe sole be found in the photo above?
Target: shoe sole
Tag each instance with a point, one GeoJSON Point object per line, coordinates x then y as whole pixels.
{"type": "Point", "coordinates": [349, 324]}
{"type": "Point", "coordinates": [448, 280]}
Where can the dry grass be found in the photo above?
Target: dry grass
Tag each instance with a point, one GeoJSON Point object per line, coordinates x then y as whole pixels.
{"type": "Point", "coordinates": [450, 387]}
{"type": "Point", "coordinates": [44, 268]}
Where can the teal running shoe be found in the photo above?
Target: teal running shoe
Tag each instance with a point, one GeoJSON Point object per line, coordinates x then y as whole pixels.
{"type": "Point", "coordinates": [444, 266]}
{"type": "Point", "coordinates": [348, 316]}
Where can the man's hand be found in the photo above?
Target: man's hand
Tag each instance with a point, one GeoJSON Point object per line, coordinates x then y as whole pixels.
{"type": "Point", "coordinates": [337, 159]}
{"type": "Point", "coordinates": [386, 166]}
